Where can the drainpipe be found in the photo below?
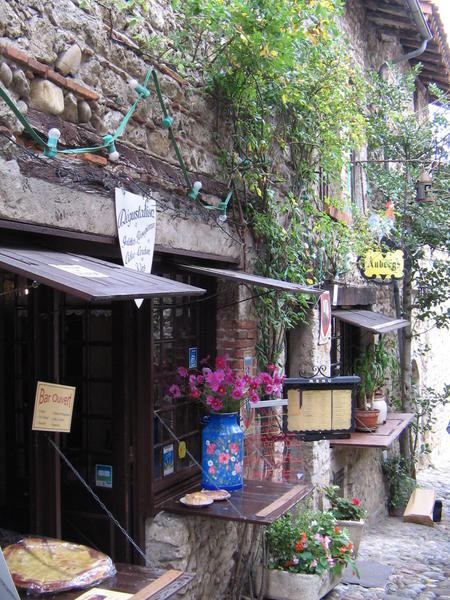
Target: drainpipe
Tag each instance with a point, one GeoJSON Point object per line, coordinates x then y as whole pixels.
{"type": "Point", "coordinates": [424, 30]}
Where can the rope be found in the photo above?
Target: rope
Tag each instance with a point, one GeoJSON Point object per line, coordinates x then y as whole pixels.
{"type": "Point", "coordinates": [97, 499]}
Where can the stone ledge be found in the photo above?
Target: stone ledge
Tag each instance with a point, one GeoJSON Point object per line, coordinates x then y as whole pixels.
{"type": "Point", "coordinates": [45, 71]}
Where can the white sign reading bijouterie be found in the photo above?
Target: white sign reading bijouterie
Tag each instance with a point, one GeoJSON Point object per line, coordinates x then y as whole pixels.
{"type": "Point", "coordinates": [136, 228]}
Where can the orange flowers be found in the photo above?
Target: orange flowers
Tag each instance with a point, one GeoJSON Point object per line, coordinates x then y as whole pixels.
{"type": "Point", "coordinates": [301, 544]}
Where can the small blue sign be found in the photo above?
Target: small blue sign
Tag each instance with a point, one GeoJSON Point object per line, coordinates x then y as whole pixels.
{"type": "Point", "coordinates": [103, 476]}
{"type": "Point", "coordinates": [192, 358]}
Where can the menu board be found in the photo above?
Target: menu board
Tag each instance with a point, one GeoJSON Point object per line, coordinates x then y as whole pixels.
{"type": "Point", "coordinates": [342, 409]}
{"type": "Point", "coordinates": [319, 410]}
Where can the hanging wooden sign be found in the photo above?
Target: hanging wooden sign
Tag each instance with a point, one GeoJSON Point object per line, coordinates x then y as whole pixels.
{"type": "Point", "coordinates": [320, 407]}
{"type": "Point", "coordinates": [136, 229]}
{"type": "Point", "coordinates": [382, 267]}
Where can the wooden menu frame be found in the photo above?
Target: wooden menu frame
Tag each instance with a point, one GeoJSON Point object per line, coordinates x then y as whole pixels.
{"type": "Point", "coordinates": [320, 408]}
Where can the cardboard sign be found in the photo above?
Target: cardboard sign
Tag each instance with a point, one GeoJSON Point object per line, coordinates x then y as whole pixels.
{"type": "Point", "coordinates": [53, 406]}
{"type": "Point", "coordinates": [420, 507]}
{"type": "Point", "coordinates": [136, 228]}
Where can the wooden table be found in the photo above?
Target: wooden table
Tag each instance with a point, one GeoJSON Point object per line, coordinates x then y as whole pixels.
{"type": "Point", "coordinates": [131, 579]}
{"type": "Point", "coordinates": [257, 504]}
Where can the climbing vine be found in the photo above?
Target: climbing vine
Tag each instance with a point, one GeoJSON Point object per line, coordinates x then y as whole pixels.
{"type": "Point", "coordinates": [289, 103]}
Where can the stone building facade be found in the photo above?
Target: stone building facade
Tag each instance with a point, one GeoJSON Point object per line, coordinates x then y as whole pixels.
{"type": "Point", "coordinates": [65, 65]}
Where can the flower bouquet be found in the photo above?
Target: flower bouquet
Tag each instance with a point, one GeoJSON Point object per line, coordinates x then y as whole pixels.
{"type": "Point", "coordinates": [222, 389]}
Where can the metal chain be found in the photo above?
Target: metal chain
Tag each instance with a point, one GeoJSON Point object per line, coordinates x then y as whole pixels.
{"type": "Point", "coordinates": [100, 503]}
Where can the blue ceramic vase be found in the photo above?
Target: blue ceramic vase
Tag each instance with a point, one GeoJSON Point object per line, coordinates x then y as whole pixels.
{"type": "Point", "coordinates": [222, 452]}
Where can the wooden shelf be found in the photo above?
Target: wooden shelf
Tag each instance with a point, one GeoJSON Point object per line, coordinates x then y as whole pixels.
{"type": "Point", "coordinates": [382, 438]}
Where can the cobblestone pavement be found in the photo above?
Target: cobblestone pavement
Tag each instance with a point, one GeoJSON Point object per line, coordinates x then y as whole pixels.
{"type": "Point", "coordinates": [419, 554]}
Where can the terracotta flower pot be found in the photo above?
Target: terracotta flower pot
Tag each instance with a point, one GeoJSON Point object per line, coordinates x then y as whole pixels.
{"type": "Point", "coordinates": [366, 420]}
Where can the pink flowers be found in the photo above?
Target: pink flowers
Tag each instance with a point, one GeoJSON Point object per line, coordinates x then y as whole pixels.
{"type": "Point", "coordinates": [224, 458]}
{"type": "Point", "coordinates": [175, 391]}
{"type": "Point", "coordinates": [234, 448]}
{"type": "Point", "coordinates": [224, 389]}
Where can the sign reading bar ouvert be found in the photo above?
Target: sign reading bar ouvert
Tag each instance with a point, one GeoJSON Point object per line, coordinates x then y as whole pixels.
{"type": "Point", "coordinates": [53, 406]}
{"type": "Point", "coordinates": [320, 407]}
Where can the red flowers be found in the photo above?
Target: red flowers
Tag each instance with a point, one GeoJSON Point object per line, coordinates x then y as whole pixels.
{"type": "Point", "coordinates": [355, 501]}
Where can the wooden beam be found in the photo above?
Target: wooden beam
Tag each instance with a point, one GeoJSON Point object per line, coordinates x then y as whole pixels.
{"type": "Point", "coordinates": [389, 9]}
{"type": "Point", "coordinates": [396, 21]}
{"type": "Point", "coordinates": [164, 173]}
{"type": "Point", "coordinates": [435, 70]}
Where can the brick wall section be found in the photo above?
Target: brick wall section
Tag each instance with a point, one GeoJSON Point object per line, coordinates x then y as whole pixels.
{"type": "Point", "coordinates": [42, 70]}
{"type": "Point", "coordinates": [236, 329]}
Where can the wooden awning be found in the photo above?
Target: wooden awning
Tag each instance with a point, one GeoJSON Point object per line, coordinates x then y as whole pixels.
{"type": "Point", "coordinates": [372, 321]}
{"type": "Point", "coordinates": [251, 279]}
{"type": "Point", "coordinates": [395, 16]}
{"type": "Point", "coordinates": [89, 278]}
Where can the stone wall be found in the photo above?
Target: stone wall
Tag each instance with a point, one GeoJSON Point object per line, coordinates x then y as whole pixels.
{"type": "Point", "coordinates": [207, 547]}
{"type": "Point", "coordinates": [65, 68]}
{"type": "Point", "coordinates": [363, 478]}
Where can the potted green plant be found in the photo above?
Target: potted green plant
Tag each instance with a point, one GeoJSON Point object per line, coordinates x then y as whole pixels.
{"type": "Point", "coordinates": [371, 367]}
{"type": "Point", "coordinates": [400, 484]}
{"type": "Point", "coordinates": [307, 554]}
{"type": "Point", "coordinates": [348, 513]}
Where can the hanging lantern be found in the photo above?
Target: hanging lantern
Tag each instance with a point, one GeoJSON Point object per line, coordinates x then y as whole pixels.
{"type": "Point", "coordinates": [424, 192]}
